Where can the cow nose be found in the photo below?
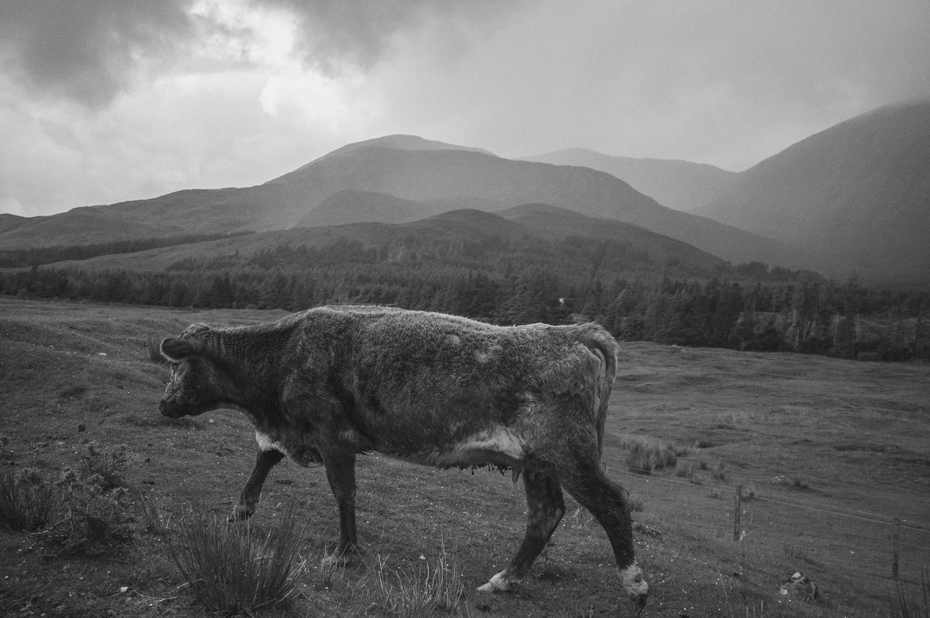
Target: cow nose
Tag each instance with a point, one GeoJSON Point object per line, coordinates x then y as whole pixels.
{"type": "Point", "coordinates": [163, 407]}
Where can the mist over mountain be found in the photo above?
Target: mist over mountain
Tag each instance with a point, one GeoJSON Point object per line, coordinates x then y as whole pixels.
{"type": "Point", "coordinates": [859, 191]}
{"type": "Point", "coordinates": [420, 172]}
{"type": "Point", "coordinates": [681, 185]}
{"type": "Point", "coordinates": [853, 198]}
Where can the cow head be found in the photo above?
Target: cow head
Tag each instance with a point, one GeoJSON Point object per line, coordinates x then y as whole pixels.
{"type": "Point", "coordinates": [197, 383]}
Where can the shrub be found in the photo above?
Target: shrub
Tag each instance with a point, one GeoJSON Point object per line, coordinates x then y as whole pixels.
{"type": "Point", "coordinates": [234, 567]}
{"type": "Point", "coordinates": [94, 518]}
{"type": "Point", "coordinates": [93, 514]}
{"type": "Point", "coordinates": [104, 467]}
{"type": "Point", "coordinates": [27, 502]}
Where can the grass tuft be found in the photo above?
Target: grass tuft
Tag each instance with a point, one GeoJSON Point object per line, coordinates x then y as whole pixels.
{"type": "Point", "coordinates": [235, 568]}
{"type": "Point", "coordinates": [27, 503]}
{"type": "Point", "coordinates": [425, 590]}
{"type": "Point", "coordinates": [157, 520]}
{"type": "Point", "coordinates": [648, 455]}
{"type": "Point", "coordinates": [719, 472]}
{"type": "Point", "coordinates": [153, 347]}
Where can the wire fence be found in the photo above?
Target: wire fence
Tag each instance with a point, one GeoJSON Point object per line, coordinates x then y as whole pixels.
{"type": "Point", "coordinates": [771, 528]}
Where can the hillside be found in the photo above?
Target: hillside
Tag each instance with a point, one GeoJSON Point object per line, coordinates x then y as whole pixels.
{"type": "Point", "coordinates": [353, 206]}
{"type": "Point", "coordinates": [859, 190]}
{"type": "Point", "coordinates": [440, 178]}
{"type": "Point", "coordinates": [507, 235]}
{"type": "Point", "coordinates": [820, 492]}
{"type": "Point", "coordinates": [681, 185]}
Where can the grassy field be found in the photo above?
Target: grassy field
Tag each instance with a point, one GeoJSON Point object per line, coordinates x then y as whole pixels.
{"type": "Point", "coordinates": [826, 453]}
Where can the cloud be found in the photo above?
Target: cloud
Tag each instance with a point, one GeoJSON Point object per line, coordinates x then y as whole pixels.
{"type": "Point", "coordinates": [361, 32]}
{"type": "Point", "coordinates": [87, 51]}
{"type": "Point", "coordinates": [91, 51]}
{"type": "Point", "coordinates": [711, 81]}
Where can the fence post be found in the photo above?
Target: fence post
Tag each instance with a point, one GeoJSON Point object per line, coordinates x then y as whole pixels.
{"type": "Point", "coordinates": [736, 513]}
{"type": "Point", "coordinates": [895, 545]}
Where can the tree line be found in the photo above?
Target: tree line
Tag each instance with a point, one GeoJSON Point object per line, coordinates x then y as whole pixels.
{"type": "Point", "coordinates": [747, 307]}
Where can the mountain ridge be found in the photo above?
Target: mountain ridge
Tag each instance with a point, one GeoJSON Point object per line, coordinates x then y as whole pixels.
{"type": "Point", "coordinates": [441, 178]}
{"type": "Point", "coordinates": [678, 184]}
{"type": "Point", "coordinates": [859, 189]}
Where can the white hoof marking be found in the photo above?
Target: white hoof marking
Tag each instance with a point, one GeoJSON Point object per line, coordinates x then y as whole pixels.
{"type": "Point", "coordinates": [333, 560]}
{"type": "Point", "coordinates": [634, 584]}
{"type": "Point", "coordinates": [497, 584]}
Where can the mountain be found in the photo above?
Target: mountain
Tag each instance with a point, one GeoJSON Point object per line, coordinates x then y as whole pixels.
{"type": "Point", "coordinates": [859, 191]}
{"type": "Point", "coordinates": [456, 179]}
{"type": "Point", "coordinates": [419, 172]}
{"type": "Point", "coordinates": [681, 185]}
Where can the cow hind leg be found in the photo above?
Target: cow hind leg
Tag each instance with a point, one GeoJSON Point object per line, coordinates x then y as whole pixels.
{"type": "Point", "coordinates": [248, 499]}
{"type": "Point", "coordinates": [607, 501]}
{"type": "Point", "coordinates": [545, 508]}
{"type": "Point", "coordinates": [340, 472]}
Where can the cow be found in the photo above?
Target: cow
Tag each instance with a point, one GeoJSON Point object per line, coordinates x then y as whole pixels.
{"type": "Point", "coordinates": [332, 382]}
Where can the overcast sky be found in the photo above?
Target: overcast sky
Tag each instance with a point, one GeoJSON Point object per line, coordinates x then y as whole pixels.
{"type": "Point", "coordinates": [109, 100]}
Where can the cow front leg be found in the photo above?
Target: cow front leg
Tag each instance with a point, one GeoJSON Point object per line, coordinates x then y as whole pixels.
{"type": "Point", "coordinates": [340, 472]}
{"type": "Point", "coordinates": [264, 462]}
{"type": "Point", "coordinates": [544, 510]}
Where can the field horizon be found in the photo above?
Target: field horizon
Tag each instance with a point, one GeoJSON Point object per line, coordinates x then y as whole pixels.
{"type": "Point", "coordinates": [830, 459]}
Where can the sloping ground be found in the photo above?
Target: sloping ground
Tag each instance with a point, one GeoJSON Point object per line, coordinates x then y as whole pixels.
{"type": "Point", "coordinates": [856, 434]}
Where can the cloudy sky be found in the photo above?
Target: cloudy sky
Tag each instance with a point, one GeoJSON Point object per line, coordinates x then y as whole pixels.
{"type": "Point", "coordinates": [109, 100]}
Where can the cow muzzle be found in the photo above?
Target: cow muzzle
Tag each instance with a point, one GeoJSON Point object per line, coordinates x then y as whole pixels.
{"type": "Point", "coordinates": [169, 410]}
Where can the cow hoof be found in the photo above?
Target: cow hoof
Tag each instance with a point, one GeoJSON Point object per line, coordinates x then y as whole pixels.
{"type": "Point", "coordinates": [634, 584]}
{"type": "Point", "coordinates": [497, 584]}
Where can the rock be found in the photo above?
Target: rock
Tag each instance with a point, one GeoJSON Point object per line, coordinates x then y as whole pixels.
{"type": "Point", "coordinates": [799, 586]}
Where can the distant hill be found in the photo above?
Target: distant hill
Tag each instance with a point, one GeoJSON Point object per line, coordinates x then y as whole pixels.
{"type": "Point", "coordinates": [551, 221]}
{"type": "Point", "coordinates": [8, 221]}
{"type": "Point", "coordinates": [859, 190]}
{"type": "Point", "coordinates": [436, 175]}
{"type": "Point", "coordinates": [504, 235]}
{"type": "Point", "coordinates": [456, 179]}
{"type": "Point", "coordinates": [681, 185]}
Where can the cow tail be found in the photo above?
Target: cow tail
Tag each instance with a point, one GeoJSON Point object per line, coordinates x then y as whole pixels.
{"type": "Point", "coordinates": [601, 341]}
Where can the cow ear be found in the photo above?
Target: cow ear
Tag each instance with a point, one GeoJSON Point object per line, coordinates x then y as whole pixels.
{"type": "Point", "coordinates": [176, 350]}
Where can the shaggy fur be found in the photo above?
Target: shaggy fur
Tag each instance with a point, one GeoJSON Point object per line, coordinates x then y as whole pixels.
{"type": "Point", "coordinates": [326, 384]}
